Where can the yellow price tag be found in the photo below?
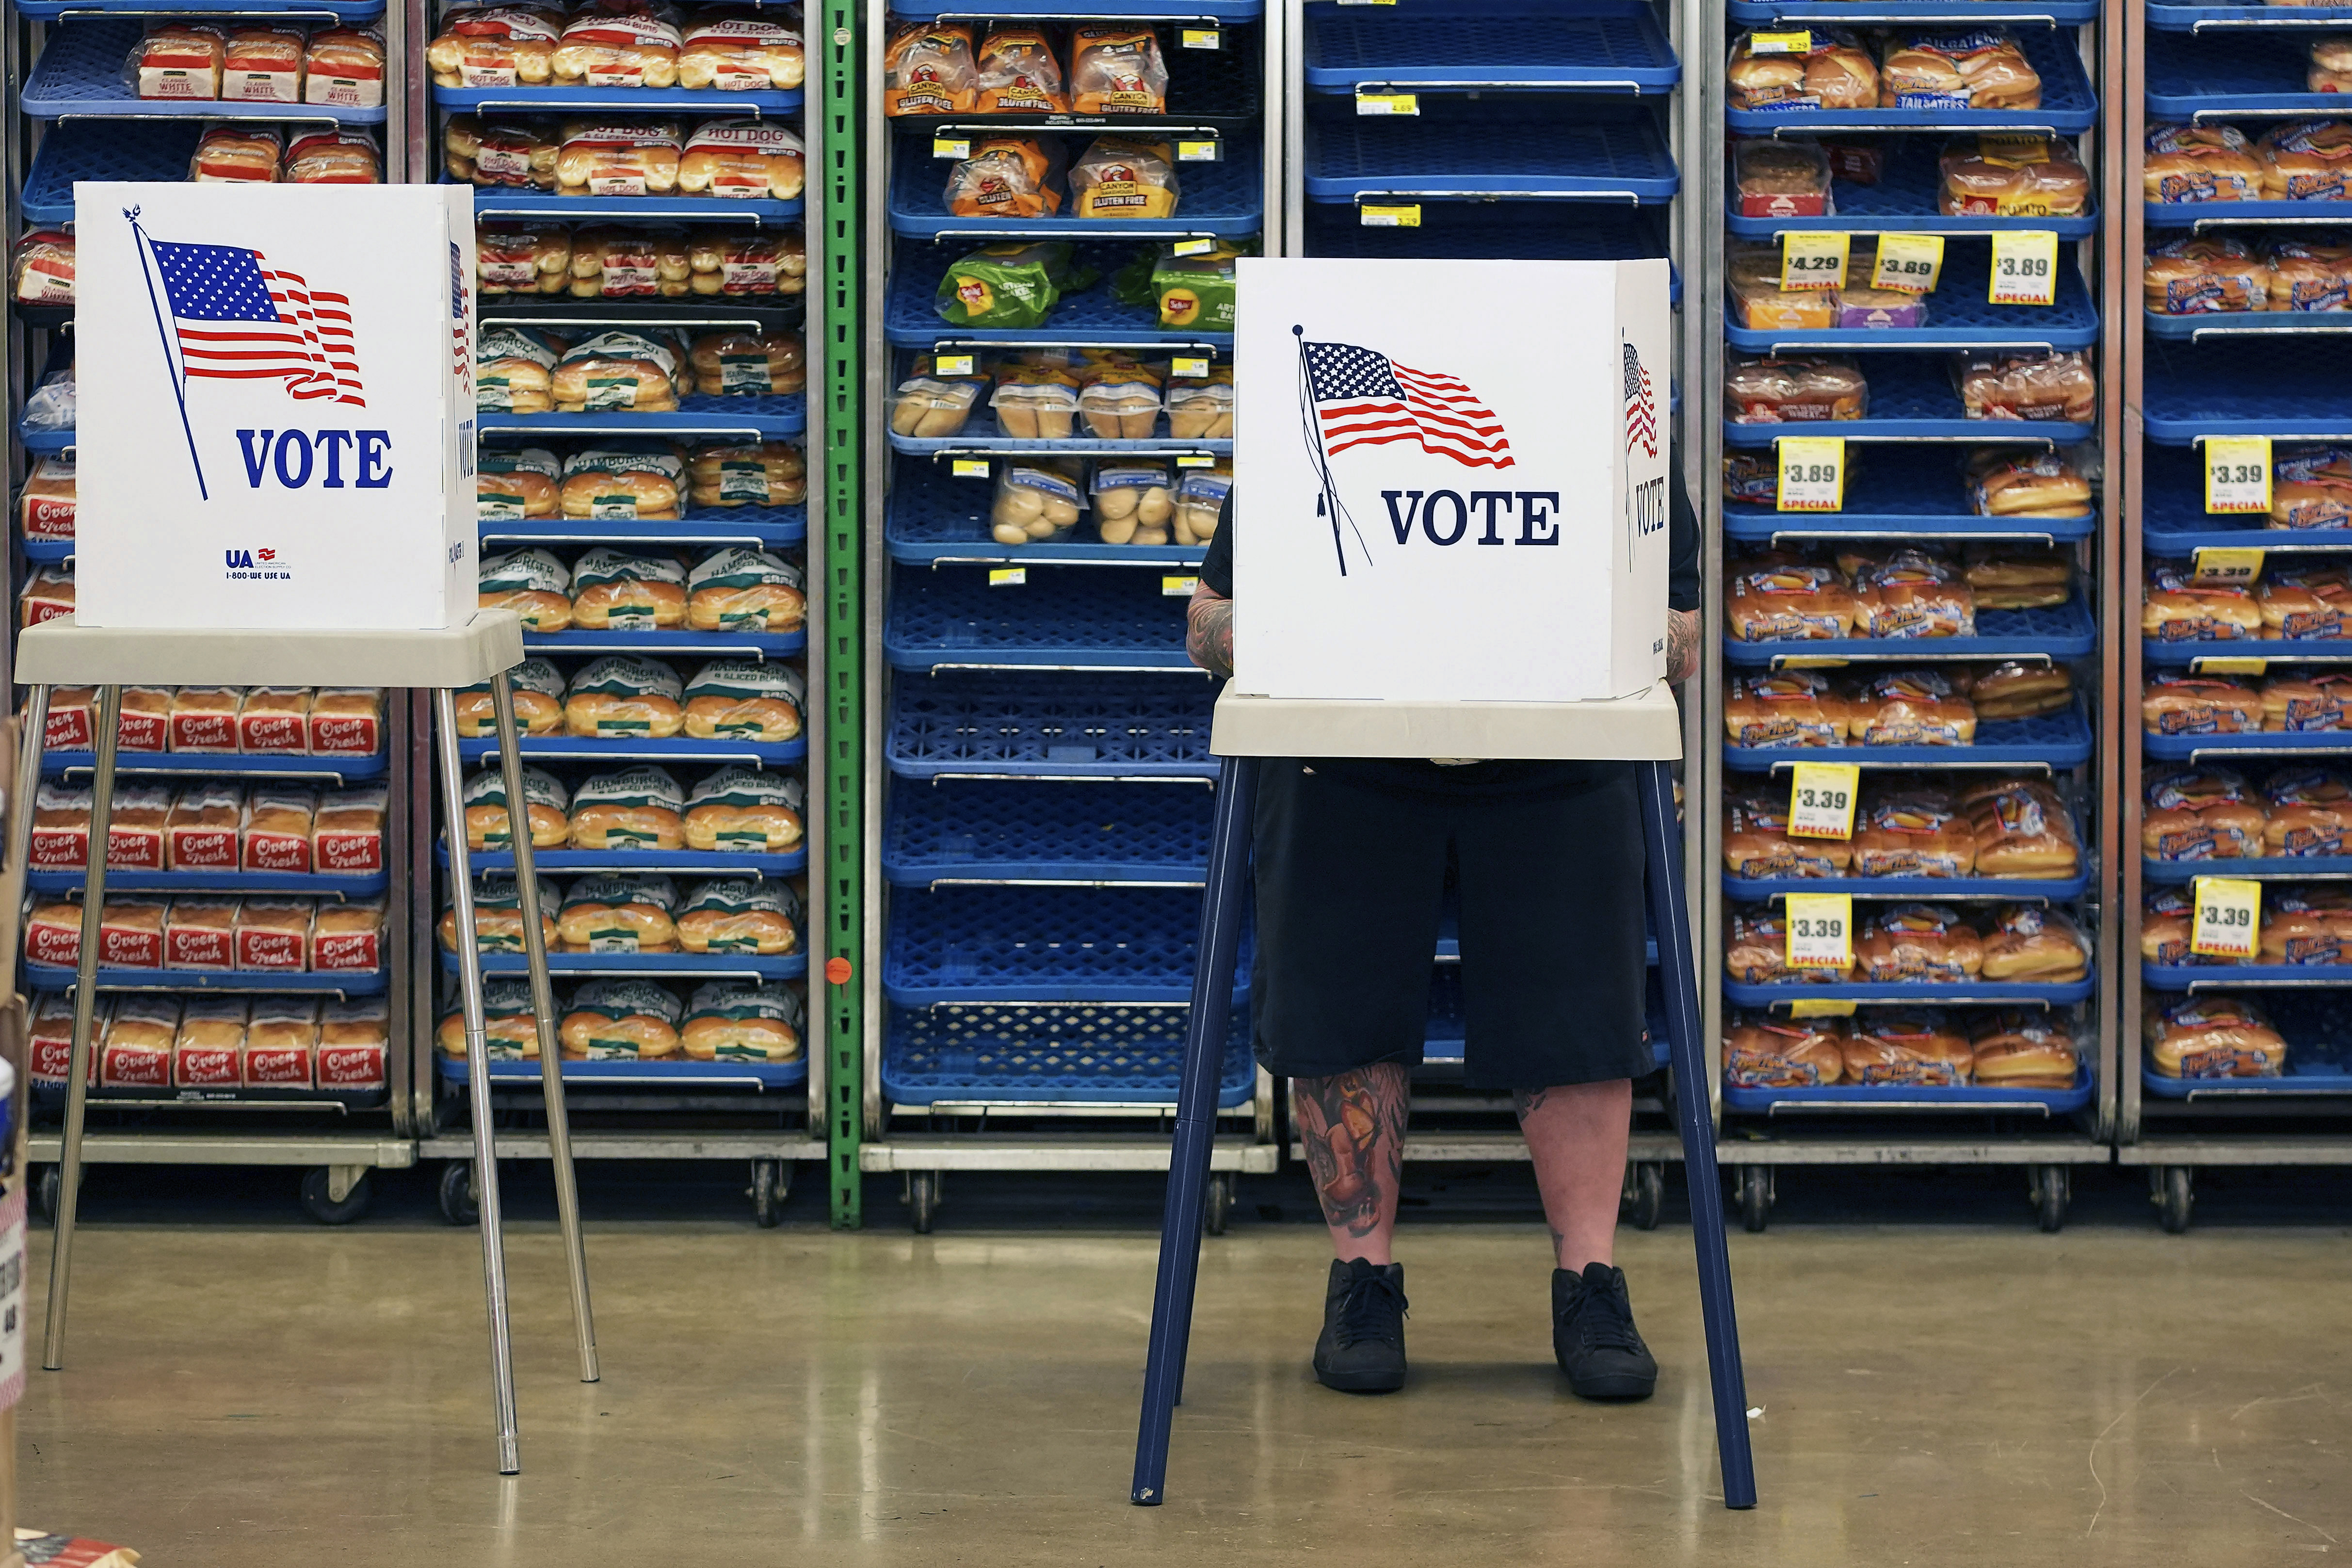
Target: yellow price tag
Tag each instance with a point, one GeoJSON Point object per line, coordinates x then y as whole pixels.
{"type": "Point", "coordinates": [1821, 797]}
{"type": "Point", "coordinates": [969, 468]}
{"type": "Point", "coordinates": [1909, 263]}
{"type": "Point", "coordinates": [2228, 919]}
{"type": "Point", "coordinates": [1388, 103]}
{"type": "Point", "coordinates": [1193, 246]}
{"type": "Point", "coordinates": [1814, 261]}
{"type": "Point", "coordinates": [1821, 931]}
{"type": "Point", "coordinates": [1204, 38]}
{"type": "Point", "coordinates": [1189, 365]}
{"type": "Point", "coordinates": [1781, 43]}
{"type": "Point", "coordinates": [1818, 1007]}
{"type": "Point", "coordinates": [951, 147]}
{"type": "Point", "coordinates": [952, 364]}
{"type": "Point", "coordinates": [1389, 217]}
{"type": "Point", "coordinates": [1197, 152]}
{"type": "Point", "coordinates": [1178, 587]}
{"type": "Point", "coordinates": [2025, 267]}
{"type": "Point", "coordinates": [1196, 460]}
{"type": "Point", "coordinates": [2230, 666]}
{"type": "Point", "coordinates": [1008, 576]}
{"type": "Point", "coordinates": [1803, 661]}
{"type": "Point", "coordinates": [2237, 474]}
{"type": "Point", "coordinates": [1812, 473]}
{"type": "Point", "coordinates": [2239, 567]}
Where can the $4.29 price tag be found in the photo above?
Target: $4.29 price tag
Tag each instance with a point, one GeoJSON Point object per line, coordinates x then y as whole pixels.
{"type": "Point", "coordinates": [1811, 261]}
{"type": "Point", "coordinates": [2238, 473]}
{"type": "Point", "coordinates": [1812, 473]}
{"type": "Point", "coordinates": [1821, 931]}
{"type": "Point", "coordinates": [1909, 263]}
{"type": "Point", "coordinates": [2228, 921]}
{"type": "Point", "coordinates": [1821, 798]}
{"type": "Point", "coordinates": [2025, 267]}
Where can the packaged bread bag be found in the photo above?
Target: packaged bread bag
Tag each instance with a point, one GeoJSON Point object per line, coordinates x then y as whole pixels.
{"type": "Point", "coordinates": [747, 473]}
{"type": "Point", "coordinates": [1016, 72]}
{"type": "Point", "coordinates": [637, 808]}
{"type": "Point", "coordinates": [754, 160]}
{"type": "Point", "coordinates": [927, 69]}
{"type": "Point", "coordinates": [739, 915]}
{"type": "Point", "coordinates": [732, 52]}
{"type": "Point", "coordinates": [1776, 178]}
{"type": "Point", "coordinates": [522, 259]}
{"type": "Point", "coordinates": [262, 63]}
{"type": "Point", "coordinates": [1982, 68]}
{"type": "Point", "coordinates": [208, 1052]}
{"type": "Point", "coordinates": [2010, 175]}
{"type": "Point", "coordinates": [1117, 68]}
{"type": "Point", "coordinates": [621, 484]}
{"type": "Point", "coordinates": [337, 155]}
{"type": "Point", "coordinates": [495, 45]}
{"type": "Point", "coordinates": [2208, 1036]}
{"type": "Point", "coordinates": [1006, 177]}
{"type": "Point", "coordinates": [2024, 1047]}
{"type": "Point", "coordinates": [514, 371]}
{"type": "Point", "coordinates": [2200, 814]}
{"type": "Point", "coordinates": [343, 66]}
{"type": "Point", "coordinates": [616, 263]}
{"type": "Point", "coordinates": [179, 60]}
{"type": "Point", "coordinates": [1757, 845]}
{"type": "Point", "coordinates": [1013, 284]}
{"type": "Point", "coordinates": [2033, 944]}
{"type": "Point", "coordinates": [516, 153]}
{"type": "Point", "coordinates": [531, 582]}
{"type": "Point", "coordinates": [616, 46]}
{"type": "Point", "coordinates": [497, 915]}
{"type": "Point", "coordinates": [537, 688]}
{"type": "Point", "coordinates": [2307, 160]}
{"type": "Point", "coordinates": [1913, 831]}
{"type": "Point", "coordinates": [1133, 500]}
{"type": "Point", "coordinates": [931, 406]}
{"type": "Point", "coordinates": [619, 913]}
{"type": "Point", "coordinates": [746, 263]}
{"type": "Point", "coordinates": [619, 158]}
{"type": "Point", "coordinates": [1201, 497]}
{"type": "Point", "coordinates": [510, 1031]}
{"type": "Point", "coordinates": [624, 697]}
{"type": "Point", "coordinates": [627, 591]}
{"type": "Point", "coordinates": [744, 810]}
{"type": "Point", "coordinates": [1918, 943]}
{"type": "Point", "coordinates": [619, 372]}
{"type": "Point", "coordinates": [620, 1020]}
{"type": "Point", "coordinates": [739, 700]}
{"type": "Point", "coordinates": [1907, 1046]}
{"type": "Point", "coordinates": [41, 269]}
{"type": "Point", "coordinates": [2311, 486]}
{"type": "Point", "coordinates": [1037, 501]}
{"type": "Point", "coordinates": [2202, 164]}
{"type": "Point", "coordinates": [739, 589]}
{"type": "Point", "coordinates": [1823, 68]}
{"type": "Point", "coordinates": [742, 363]}
{"type": "Point", "coordinates": [731, 1022]}
{"type": "Point", "coordinates": [1124, 176]}
{"type": "Point", "coordinates": [354, 1036]}
{"type": "Point", "coordinates": [1765, 1050]}
{"type": "Point", "coordinates": [511, 483]}
{"type": "Point", "coordinates": [545, 802]}
{"type": "Point", "coordinates": [1201, 409]}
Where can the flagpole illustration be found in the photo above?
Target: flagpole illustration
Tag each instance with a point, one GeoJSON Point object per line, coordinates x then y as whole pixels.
{"type": "Point", "coordinates": [1327, 504]}
{"type": "Point", "coordinates": [179, 382]}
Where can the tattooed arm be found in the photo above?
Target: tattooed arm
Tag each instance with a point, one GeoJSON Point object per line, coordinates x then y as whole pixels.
{"type": "Point", "coordinates": [1208, 634]}
{"type": "Point", "coordinates": [1682, 645]}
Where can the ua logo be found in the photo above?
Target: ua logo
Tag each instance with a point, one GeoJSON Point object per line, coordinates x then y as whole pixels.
{"type": "Point", "coordinates": [237, 557]}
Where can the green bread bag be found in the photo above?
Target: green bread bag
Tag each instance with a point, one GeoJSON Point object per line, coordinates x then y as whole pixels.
{"type": "Point", "coordinates": [1011, 285]}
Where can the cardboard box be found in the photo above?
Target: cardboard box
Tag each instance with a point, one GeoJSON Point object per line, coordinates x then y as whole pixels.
{"type": "Point", "coordinates": [336, 494]}
{"type": "Point", "coordinates": [1469, 500]}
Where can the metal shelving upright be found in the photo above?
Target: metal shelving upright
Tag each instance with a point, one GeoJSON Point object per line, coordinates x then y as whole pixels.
{"type": "Point", "coordinates": [2191, 379]}
{"type": "Point", "coordinates": [1915, 425]}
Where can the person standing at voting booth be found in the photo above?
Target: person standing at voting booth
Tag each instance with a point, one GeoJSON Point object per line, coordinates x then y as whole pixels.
{"type": "Point", "coordinates": [1352, 856]}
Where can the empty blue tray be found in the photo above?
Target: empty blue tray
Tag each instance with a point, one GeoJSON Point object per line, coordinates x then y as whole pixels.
{"type": "Point", "coordinates": [2290, 388]}
{"type": "Point", "coordinates": [1912, 398]}
{"type": "Point", "coordinates": [1045, 944]}
{"type": "Point", "coordinates": [1457, 152]}
{"type": "Point", "coordinates": [1028, 831]}
{"type": "Point", "coordinates": [2174, 521]}
{"type": "Point", "coordinates": [1595, 46]}
{"type": "Point", "coordinates": [699, 414]}
{"type": "Point", "coordinates": [2237, 976]}
{"type": "Point", "coordinates": [1860, 12]}
{"type": "Point", "coordinates": [2214, 74]}
{"type": "Point", "coordinates": [765, 528]}
{"type": "Point", "coordinates": [2222, 214]}
{"type": "Point", "coordinates": [1018, 725]}
{"type": "Point", "coordinates": [2265, 324]}
{"type": "Point", "coordinates": [1061, 618]}
{"type": "Point", "coordinates": [1902, 491]}
{"type": "Point", "coordinates": [1862, 991]}
{"type": "Point", "coordinates": [154, 150]}
{"type": "Point", "coordinates": [1050, 1055]}
{"type": "Point", "coordinates": [2206, 19]}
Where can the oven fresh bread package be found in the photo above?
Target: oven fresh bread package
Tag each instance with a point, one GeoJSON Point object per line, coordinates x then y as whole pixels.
{"type": "Point", "coordinates": [201, 834]}
{"type": "Point", "coordinates": [347, 936]}
{"type": "Point", "coordinates": [353, 1037]}
{"type": "Point", "coordinates": [731, 1022]}
{"type": "Point", "coordinates": [208, 1051]}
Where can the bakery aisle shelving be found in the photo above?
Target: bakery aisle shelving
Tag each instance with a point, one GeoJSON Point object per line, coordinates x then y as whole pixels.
{"type": "Point", "coordinates": [2200, 380]}
{"type": "Point", "coordinates": [76, 118]}
{"type": "Point", "coordinates": [637, 1093]}
{"type": "Point", "coordinates": [1040, 779]}
{"type": "Point", "coordinates": [1902, 486]}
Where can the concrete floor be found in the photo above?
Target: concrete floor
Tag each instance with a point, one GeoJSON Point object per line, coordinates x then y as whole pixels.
{"type": "Point", "coordinates": [262, 1394]}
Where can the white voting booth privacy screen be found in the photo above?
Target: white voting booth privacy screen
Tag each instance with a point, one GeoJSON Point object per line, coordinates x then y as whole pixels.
{"type": "Point", "coordinates": [275, 421]}
{"type": "Point", "coordinates": [1451, 479]}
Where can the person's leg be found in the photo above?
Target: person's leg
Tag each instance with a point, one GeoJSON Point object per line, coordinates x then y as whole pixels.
{"type": "Point", "coordinates": [1353, 1126]}
{"type": "Point", "coordinates": [1576, 1135]}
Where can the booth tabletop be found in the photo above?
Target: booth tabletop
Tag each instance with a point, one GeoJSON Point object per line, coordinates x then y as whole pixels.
{"type": "Point", "coordinates": [60, 653]}
{"type": "Point", "coordinates": [1642, 728]}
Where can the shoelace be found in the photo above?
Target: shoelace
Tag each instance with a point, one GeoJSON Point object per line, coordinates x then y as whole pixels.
{"type": "Point", "coordinates": [1365, 1312]}
{"type": "Point", "coordinates": [1605, 1323]}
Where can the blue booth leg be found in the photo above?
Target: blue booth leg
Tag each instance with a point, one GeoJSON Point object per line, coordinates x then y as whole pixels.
{"type": "Point", "coordinates": [1677, 968]}
{"type": "Point", "coordinates": [1196, 1124]}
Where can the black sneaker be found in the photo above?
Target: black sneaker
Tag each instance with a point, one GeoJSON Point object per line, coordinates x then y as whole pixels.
{"type": "Point", "coordinates": [1363, 1347]}
{"type": "Point", "coordinates": [1592, 1334]}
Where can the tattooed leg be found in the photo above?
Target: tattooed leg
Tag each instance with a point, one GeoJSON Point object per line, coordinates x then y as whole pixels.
{"type": "Point", "coordinates": [1353, 1127]}
{"type": "Point", "coordinates": [1576, 1135]}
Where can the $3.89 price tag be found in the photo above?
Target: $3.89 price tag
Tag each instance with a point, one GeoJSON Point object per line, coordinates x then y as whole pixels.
{"type": "Point", "coordinates": [2025, 267]}
{"type": "Point", "coordinates": [1909, 263]}
{"type": "Point", "coordinates": [2238, 473]}
{"type": "Point", "coordinates": [1821, 931]}
{"type": "Point", "coordinates": [1814, 261]}
{"type": "Point", "coordinates": [1812, 473]}
{"type": "Point", "coordinates": [2229, 919]}
{"type": "Point", "coordinates": [1821, 799]}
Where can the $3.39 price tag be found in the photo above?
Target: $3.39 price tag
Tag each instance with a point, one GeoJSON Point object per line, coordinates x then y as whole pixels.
{"type": "Point", "coordinates": [2025, 267]}
{"type": "Point", "coordinates": [2232, 568]}
{"type": "Point", "coordinates": [1821, 799]}
{"type": "Point", "coordinates": [1812, 473]}
{"type": "Point", "coordinates": [2238, 473]}
{"type": "Point", "coordinates": [1814, 261]}
{"type": "Point", "coordinates": [1909, 263]}
{"type": "Point", "coordinates": [1821, 931]}
{"type": "Point", "coordinates": [2228, 920]}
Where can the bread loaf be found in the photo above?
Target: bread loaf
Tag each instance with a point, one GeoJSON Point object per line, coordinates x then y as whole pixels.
{"type": "Point", "coordinates": [620, 1020]}
{"type": "Point", "coordinates": [637, 808]}
{"type": "Point", "coordinates": [262, 64]}
{"type": "Point", "coordinates": [1907, 1045]}
{"type": "Point", "coordinates": [345, 156]}
{"type": "Point", "coordinates": [344, 66]}
{"type": "Point", "coordinates": [353, 1037]}
{"type": "Point", "coordinates": [201, 833]}
{"type": "Point", "coordinates": [1776, 178]}
{"type": "Point", "coordinates": [622, 698]}
{"type": "Point", "coordinates": [739, 915]}
{"type": "Point", "coordinates": [2200, 814]}
{"type": "Point", "coordinates": [273, 933]}
{"type": "Point", "coordinates": [2202, 164]}
{"type": "Point", "coordinates": [2022, 1048]}
{"type": "Point", "coordinates": [203, 718]}
{"type": "Point", "coordinates": [627, 591]}
{"type": "Point", "coordinates": [348, 937]}
{"type": "Point", "coordinates": [44, 507]}
{"type": "Point", "coordinates": [2309, 812]}
{"type": "Point", "coordinates": [545, 806]}
{"type": "Point", "coordinates": [927, 69]}
{"type": "Point", "coordinates": [346, 831]}
{"type": "Point", "coordinates": [1910, 708]}
{"type": "Point", "coordinates": [1115, 68]}
{"type": "Point", "coordinates": [275, 721]}
{"type": "Point", "coordinates": [136, 1050]}
{"type": "Point", "coordinates": [1761, 1050]}
{"type": "Point", "coordinates": [208, 1049]}
{"type": "Point", "coordinates": [200, 932]}
{"type": "Point", "coordinates": [2031, 944]}
{"type": "Point", "coordinates": [732, 1022]}
{"type": "Point", "coordinates": [2213, 1037]}
{"type": "Point", "coordinates": [180, 60]}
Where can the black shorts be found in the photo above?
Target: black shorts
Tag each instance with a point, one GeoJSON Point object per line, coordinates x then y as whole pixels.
{"type": "Point", "coordinates": [1349, 883]}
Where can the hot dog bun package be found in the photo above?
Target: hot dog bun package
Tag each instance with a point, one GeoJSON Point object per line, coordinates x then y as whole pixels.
{"type": "Point", "coordinates": [495, 45]}
{"type": "Point", "coordinates": [1767, 1050]}
{"type": "Point", "coordinates": [740, 52]}
{"type": "Point", "coordinates": [2200, 814]}
{"type": "Point", "coordinates": [2213, 1037]}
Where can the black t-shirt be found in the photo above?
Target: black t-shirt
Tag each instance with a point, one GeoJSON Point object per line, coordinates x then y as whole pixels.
{"type": "Point", "coordinates": [1497, 781]}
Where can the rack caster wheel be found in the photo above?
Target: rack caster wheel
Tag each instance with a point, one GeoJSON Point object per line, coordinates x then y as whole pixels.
{"type": "Point", "coordinates": [1755, 1197]}
{"type": "Point", "coordinates": [1217, 1209]}
{"type": "Point", "coordinates": [2172, 1189]}
{"type": "Point", "coordinates": [2050, 1188]}
{"type": "Point", "coordinates": [923, 1200]}
{"type": "Point", "coordinates": [1646, 1193]}
{"type": "Point", "coordinates": [48, 1189]}
{"type": "Point", "coordinates": [319, 1199]}
{"type": "Point", "coordinates": [772, 1184]}
{"type": "Point", "coordinates": [461, 1199]}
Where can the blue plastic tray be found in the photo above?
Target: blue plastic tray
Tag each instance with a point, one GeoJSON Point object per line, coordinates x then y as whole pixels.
{"type": "Point", "coordinates": [1070, 1055]}
{"type": "Point", "coordinates": [1592, 46]}
{"type": "Point", "coordinates": [2068, 105]}
{"type": "Point", "coordinates": [354, 983]}
{"type": "Point", "coordinates": [1903, 491]}
{"type": "Point", "coordinates": [1906, 199]}
{"type": "Point", "coordinates": [2062, 631]}
{"type": "Point", "coordinates": [2282, 650]}
{"type": "Point", "coordinates": [683, 966]}
{"type": "Point", "coordinates": [2212, 76]}
{"type": "Point", "coordinates": [2290, 388]}
{"type": "Point", "coordinates": [2057, 1102]}
{"type": "Point", "coordinates": [676, 862]}
{"type": "Point", "coordinates": [151, 151]}
{"type": "Point", "coordinates": [48, 549]}
{"type": "Point", "coordinates": [44, 440]}
{"type": "Point", "coordinates": [2222, 214]}
{"type": "Point", "coordinates": [1860, 12]}
{"type": "Point", "coordinates": [2204, 18]}
{"type": "Point", "coordinates": [699, 414]}
{"type": "Point", "coordinates": [2266, 324]}
{"type": "Point", "coordinates": [80, 73]}
{"type": "Point", "coordinates": [1450, 152]}
{"type": "Point", "coordinates": [673, 1073]}
{"type": "Point", "coordinates": [507, 201]}
{"type": "Point", "coordinates": [1226, 197]}
{"type": "Point", "coordinates": [1911, 399]}
{"type": "Point", "coordinates": [1747, 996]}
{"type": "Point", "coordinates": [1178, 10]}
{"type": "Point", "coordinates": [2290, 1082]}
{"type": "Point", "coordinates": [931, 517]}
{"type": "Point", "coordinates": [2055, 741]}
{"type": "Point", "coordinates": [672, 644]}
{"type": "Point", "coordinates": [205, 764]}
{"type": "Point", "coordinates": [768, 528]}
{"type": "Point", "coordinates": [678, 751]}
{"type": "Point", "coordinates": [1090, 316]}
{"type": "Point", "coordinates": [980, 435]}
{"type": "Point", "coordinates": [2264, 746]}
{"type": "Point", "coordinates": [1532, 231]}
{"type": "Point", "coordinates": [1943, 889]}
{"type": "Point", "coordinates": [2174, 521]}
{"type": "Point", "coordinates": [343, 10]}
{"type": "Point", "coordinates": [1215, 90]}
{"type": "Point", "coordinates": [2209, 976]}
{"type": "Point", "coordinates": [1052, 945]}
{"type": "Point", "coordinates": [617, 99]}
{"type": "Point", "coordinates": [1958, 317]}
{"type": "Point", "coordinates": [1065, 619]}
{"type": "Point", "coordinates": [997, 725]}
{"type": "Point", "coordinates": [309, 887]}
{"type": "Point", "coordinates": [1027, 831]}
{"type": "Point", "coordinates": [2267, 868]}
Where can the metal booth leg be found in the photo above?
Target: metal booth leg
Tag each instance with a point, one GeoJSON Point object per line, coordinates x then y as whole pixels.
{"type": "Point", "coordinates": [1677, 968]}
{"type": "Point", "coordinates": [78, 1065]}
{"type": "Point", "coordinates": [1196, 1125]}
{"type": "Point", "coordinates": [542, 1006]}
{"type": "Point", "coordinates": [478, 1069]}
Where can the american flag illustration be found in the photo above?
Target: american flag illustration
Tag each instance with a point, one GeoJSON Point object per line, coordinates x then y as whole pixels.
{"type": "Point", "coordinates": [1367, 399]}
{"type": "Point", "coordinates": [460, 330]}
{"type": "Point", "coordinates": [1641, 406]}
{"type": "Point", "coordinates": [236, 318]}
